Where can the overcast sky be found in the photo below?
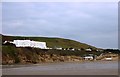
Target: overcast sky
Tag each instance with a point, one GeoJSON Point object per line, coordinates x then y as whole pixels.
{"type": "Point", "coordinates": [92, 23]}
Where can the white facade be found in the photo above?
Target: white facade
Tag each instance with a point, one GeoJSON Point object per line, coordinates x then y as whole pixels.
{"type": "Point", "coordinates": [59, 48]}
{"type": "Point", "coordinates": [108, 58]}
{"type": "Point", "coordinates": [29, 43]}
{"type": "Point", "coordinates": [88, 57]}
{"type": "Point", "coordinates": [88, 49]}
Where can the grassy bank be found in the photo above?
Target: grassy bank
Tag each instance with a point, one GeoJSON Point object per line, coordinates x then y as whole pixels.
{"type": "Point", "coordinates": [11, 55]}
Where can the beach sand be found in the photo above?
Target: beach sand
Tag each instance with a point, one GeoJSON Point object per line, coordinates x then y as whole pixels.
{"type": "Point", "coordinates": [64, 68]}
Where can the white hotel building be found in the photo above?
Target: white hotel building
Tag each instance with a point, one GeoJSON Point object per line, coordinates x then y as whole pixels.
{"type": "Point", "coordinates": [29, 43]}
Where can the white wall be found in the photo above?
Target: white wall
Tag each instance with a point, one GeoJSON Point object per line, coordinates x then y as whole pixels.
{"type": "Point", "coordinates": [36, 44]}
{"type": "Point", "coordinates": [22, 43]}
{"type": "Point", "coordinates": [28, 43]}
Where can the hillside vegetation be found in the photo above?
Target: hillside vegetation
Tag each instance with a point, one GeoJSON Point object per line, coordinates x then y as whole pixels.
{"type": "Point", "coordinates": [13, 55]}
{"type": "Point", "coordinates": [52, 42]}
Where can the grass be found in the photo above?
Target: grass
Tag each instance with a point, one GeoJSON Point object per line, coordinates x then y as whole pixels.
{"type": "Point", "coordinates": [34, 52]}
{"type": "Point", "coordinates": [52, 42]}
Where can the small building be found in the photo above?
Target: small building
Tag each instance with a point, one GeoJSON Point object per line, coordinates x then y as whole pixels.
{"type": "Point", "coordinates": [71, 49]}
{"type": "Point", "coordinates": [59, 48]}
{"type": "Point", "coordinates": [99, 50]}
{"type": "Point", "coordinates": [108, 59]}
{"type": "Point", "coordinates": [79, 49]}
{"type": "Point", "coordinates": [49, 48]}
{"type": "Point", "coordinates": [88, 49]}
{"type": "Point", "coordinates": [88, 58]}
{"type": "Point", "coordinates": [64, 48]}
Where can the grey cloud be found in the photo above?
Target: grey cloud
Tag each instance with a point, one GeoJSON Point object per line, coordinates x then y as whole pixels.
{"type": "Point", "coordinates": [92, 23]}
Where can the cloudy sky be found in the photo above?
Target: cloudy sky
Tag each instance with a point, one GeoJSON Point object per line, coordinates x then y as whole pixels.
{"type": "Point", "coordinates": [88, 22]}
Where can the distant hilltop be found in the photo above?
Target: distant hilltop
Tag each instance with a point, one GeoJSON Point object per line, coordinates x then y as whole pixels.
{"type": "Point", "coordinates": [51, 42]}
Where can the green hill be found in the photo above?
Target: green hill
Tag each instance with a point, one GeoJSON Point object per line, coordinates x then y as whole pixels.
{"type": "Point", "coordinates": [51, 42]}
{"type": "Point", "coordinates": [13, 55]}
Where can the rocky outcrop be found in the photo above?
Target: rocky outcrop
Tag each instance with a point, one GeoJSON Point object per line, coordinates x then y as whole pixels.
{"type": "Point", "coordinates": [13, 55]}
{"type": "Point", "coordinates": [29, 55]}
{"type": "Point", "coordinates": [41, 59]}
{"type": "Point", "coordinates": [108, 55]}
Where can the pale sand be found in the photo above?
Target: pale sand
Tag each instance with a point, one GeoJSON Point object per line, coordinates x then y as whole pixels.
{"type": "Point", "coordinates": [65, 68]}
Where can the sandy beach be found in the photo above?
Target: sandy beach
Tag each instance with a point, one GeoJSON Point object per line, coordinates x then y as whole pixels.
{"type": "Point", "coordinates": [64, 68]}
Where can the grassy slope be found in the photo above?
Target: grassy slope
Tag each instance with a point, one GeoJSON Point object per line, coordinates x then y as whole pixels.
{"type": "Point", "coordinates": [52, 42]}
{"type": "Point", "coordinates": [32, 54]}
